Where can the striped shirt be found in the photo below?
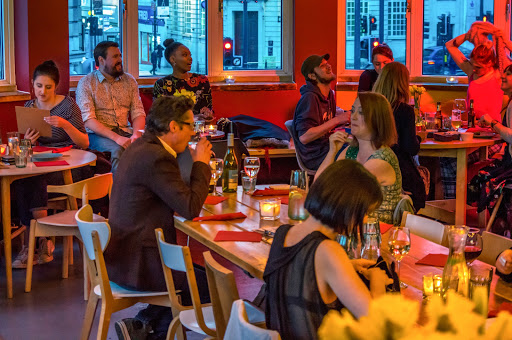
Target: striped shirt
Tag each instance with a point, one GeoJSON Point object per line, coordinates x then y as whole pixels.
{"type": "Point", "coordinates": [68, 110]}
{"type": "Point", "coordinates": [109, 103]}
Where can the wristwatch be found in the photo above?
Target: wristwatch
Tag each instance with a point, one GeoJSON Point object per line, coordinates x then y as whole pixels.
{"type": "Point", "coordinates": [493, 123]}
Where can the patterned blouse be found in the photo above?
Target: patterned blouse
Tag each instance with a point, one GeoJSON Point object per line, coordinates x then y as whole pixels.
{"type": "Point", "coordinates": [68, 110]}
{"type": "Point", "coordinates": [197, 85]}
{"type": "Point", "coordinates": [391, 193]}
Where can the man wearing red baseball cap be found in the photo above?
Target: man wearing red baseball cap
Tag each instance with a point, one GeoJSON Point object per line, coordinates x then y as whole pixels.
{"type": "Point", "coordinates": [315, 114]}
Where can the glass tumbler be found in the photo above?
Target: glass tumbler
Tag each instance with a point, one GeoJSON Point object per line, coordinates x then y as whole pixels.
{"type": "Point", "coordinates": [299, 186]}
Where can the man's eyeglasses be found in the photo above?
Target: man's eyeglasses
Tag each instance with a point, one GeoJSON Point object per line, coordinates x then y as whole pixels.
{"type": "Point", "coordinates": [191, 125]}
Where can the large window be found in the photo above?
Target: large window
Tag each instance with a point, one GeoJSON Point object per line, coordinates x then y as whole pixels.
{"type": "Point", "coordinates": [7, 74]}
{"type": "Point", "coordinates": [443, 21]}
{"type": "Point", "coordinates": [90, 22]}
{"type": "Point", "coordinates": [370, 23]}
{"type": "Point", "coordinates": [259, 33]}
{"type": "Point", "coordinates": [252, 35]}
{"type": "Point", "coordinates": [180, 20]}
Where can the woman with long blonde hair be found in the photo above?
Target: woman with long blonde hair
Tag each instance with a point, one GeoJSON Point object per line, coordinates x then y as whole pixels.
{"type": "Point", "coordinates": [393, 83]}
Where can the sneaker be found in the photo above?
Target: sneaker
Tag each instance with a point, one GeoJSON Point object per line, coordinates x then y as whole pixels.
{"type": "Point", "coordinates": [131, 329]}
{"type": "Point", "coordinates": [45, 250]}
{"type": "Point", "coordinates": [21, 260]}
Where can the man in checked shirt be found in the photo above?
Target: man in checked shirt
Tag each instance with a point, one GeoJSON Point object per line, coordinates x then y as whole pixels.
{"type": "Point", "coordinates": [106, 97]}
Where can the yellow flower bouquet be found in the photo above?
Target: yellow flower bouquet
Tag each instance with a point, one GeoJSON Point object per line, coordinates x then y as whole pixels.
{"type": "Point", "coordinates": [416, 92]}
{"type": "Point", "coordinates": [393, 317]}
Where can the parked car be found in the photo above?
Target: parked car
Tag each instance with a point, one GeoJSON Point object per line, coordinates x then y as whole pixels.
{"type": "Point", "coordinates": [434, 61]}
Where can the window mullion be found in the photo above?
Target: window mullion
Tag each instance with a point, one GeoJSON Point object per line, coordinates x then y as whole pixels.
{"type": "Point", "coordinates": [414, 38]}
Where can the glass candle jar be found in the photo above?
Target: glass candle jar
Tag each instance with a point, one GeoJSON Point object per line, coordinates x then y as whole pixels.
{"type": "Point", "coordinates": [270, 209]}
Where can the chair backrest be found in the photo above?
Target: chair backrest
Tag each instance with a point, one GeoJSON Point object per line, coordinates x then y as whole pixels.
{"type": "Point", "coordinates": [404, 205]}
{"type": "Point", "coordinates": [492, 246]}
{"type": "Point", "coordinates": [175, 257]}
{"type": "Point", "coordinates": [424, 227]}
{"type": "Point", "coordinates": [291, 130]}
{"type": "Point", "coordinates": [95, 237]}
{"type": "Point", "coordinates": [240, 328]}
{"type": "Point", "coordinates": [223, 292]}
{"type": "Point", "coordinates": [89, 189]}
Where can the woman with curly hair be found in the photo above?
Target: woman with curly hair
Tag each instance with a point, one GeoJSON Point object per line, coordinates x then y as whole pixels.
{"type": "Point", "coordinates": [181, 82]}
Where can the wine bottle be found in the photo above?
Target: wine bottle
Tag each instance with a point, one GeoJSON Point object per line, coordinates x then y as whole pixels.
{"type": "Point", "coordinates": [230, 171]}
{"type": "Point", "coordinates": [471, 114]}
{"type": "Point", "coordinates": [439, 117]}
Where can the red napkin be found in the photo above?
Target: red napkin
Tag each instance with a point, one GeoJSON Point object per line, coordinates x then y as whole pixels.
{"type": "Point", "coordinates": [242, 236]}
{"type": "Point", "coordinates": [436, 260]}
{"type": "Point", "coordinates": [480, 129]}
{"type": "Point", "coordinates": [214, 199]}
{"type": "Point", "coordinates": [51, 163]}
{"type": "Point", "coordinates": [220, 217]}
{"type": "Point", "coordinates": [270, 192]}
{"type": "Point", "coordinates": [284, 200]}
{"type": "Point", "coordinates": [384, 227]}
{"type": "Point", "coordinates": [53, 150]}
{"type": "Point", "coordinates": [505, 306]}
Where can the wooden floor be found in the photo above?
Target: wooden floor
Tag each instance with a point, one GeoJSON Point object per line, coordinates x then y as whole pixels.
{"type": "Point", "coordinates": [54, 309]}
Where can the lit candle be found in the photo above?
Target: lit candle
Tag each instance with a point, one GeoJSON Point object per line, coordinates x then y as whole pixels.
{"type": "Point", "coordinates": [438, 284]}
{"type": "Point", "coordinates": [229, 79]}
{"type": "Point", "coordinates": [428, 285]}
{"type": "Point", "coordinates": [452, 79]}
{"type": "Point", "coordinates": [211, 129]}
{"type": "Point", "coordinates": [270, 209]}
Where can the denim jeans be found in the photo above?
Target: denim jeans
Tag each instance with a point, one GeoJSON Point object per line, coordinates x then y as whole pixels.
{"type": "Point", "coordinates": [97, 142]}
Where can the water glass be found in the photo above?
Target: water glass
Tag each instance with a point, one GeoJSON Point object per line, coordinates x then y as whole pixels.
{"type": "Point", "coordinates": [28, 144]}
{"type": "Point", "coordinates": [199, 126]}
{"type": "Point", "coordinates": [248, 184]}
{"type": "Point", "coordinates": [480, 279]}
{"type": "Point", "coordinates": [350, 244]}
{"type": "Point", "coordinates": [447, 123]}
{"type": "Point", "coordinates": [20, 157]}
{"type": "Point", "coordinates": [193, 141]}
{"type": "Point", "coordinates": [430, 120]}
{"type": "Point", "coordinates": [370, 249]}
{"type": "Point", "coordinates": [13, 142]}
{"type": "Point", "coordinates": [299, 187]}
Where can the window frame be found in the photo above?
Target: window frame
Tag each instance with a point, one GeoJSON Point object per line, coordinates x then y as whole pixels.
{"type": "Point", "coordinates": [414, 52]}
{"type": "Point", "coordinates": [214, 37]}
{"type": "Point", "coordinates": [9, 83]}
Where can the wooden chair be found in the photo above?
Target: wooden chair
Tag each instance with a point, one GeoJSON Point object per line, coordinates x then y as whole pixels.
{"type": "Point", "coordinates": [493, 245]}
{"type": "Point", "coordinates": [240, 328]}
{"type": "Point", "coordinates": [198, 318]}
{"type": "Point", "coordinates": [223, 292]}
{"type": "Point", "coordinates": [95, 237]}
{"type": "Point", "coordinates": [424, 227]}
{"type": "Point", "coordinates": [64, 223]}
{"type": "Point", "coordinates": [291, 130]}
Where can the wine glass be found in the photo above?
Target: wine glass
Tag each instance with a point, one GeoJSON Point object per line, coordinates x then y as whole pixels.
{"type": "Point", "coordinates": [399, 243]}
{"type": "Point", "coordinates": [474, 245]}
{"type": "Point", "coordinates": [216, 166]}
{"type": "Point", "coordinates": [459, 106]}
{"type": "Point", "coordinates": [252, 166]}
{"type": "Point", "coordinates": [193, 141]}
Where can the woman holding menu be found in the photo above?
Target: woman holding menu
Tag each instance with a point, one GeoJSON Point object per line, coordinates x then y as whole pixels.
{"type": "Point", "coordinates": [65, 116]}
{"type": "Point", "coordinates": [67, 129]}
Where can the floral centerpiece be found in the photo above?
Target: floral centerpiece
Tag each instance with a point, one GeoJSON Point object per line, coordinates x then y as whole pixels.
{"type": "Point", "coordinates": [416, 92]}
{"type": "Point", "coordinates": [392, 317]}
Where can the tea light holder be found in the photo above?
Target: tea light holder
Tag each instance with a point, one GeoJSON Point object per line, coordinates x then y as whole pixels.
{"type": "Point", "coordinates": [432, 285]}
{"type": "Point", "coordinates": [229, 79]}
{"type": "Point", "coordinates": [270, 209]}
{"type": "Point", "coordinates": [452, 80]}
{"type": "Point", "coordinates": [211, 129]}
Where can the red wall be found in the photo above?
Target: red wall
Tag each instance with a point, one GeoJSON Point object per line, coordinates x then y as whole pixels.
{"type": "Point", "coordinates": [41, 33]}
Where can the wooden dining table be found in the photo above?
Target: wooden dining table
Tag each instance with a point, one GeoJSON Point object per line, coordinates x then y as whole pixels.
{"type": "Point", "coordinates": [75, 159]}
{"type": "Point", "coordinates": [453, 211]}
{"type": "Point", "coordinates": [252, 256]}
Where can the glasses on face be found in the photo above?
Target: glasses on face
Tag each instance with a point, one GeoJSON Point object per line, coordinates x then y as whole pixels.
{"type": "Point", "coordinates": [190, 125]}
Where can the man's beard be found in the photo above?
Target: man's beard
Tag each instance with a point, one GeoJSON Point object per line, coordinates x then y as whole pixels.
{"type": "Point", "coordinates": [112, 71]}
{"type": "Point", "coordinates": [322, 80]}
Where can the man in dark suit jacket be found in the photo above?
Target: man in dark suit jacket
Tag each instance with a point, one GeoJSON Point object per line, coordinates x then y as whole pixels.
{"type": "Point", "coordinates": [147, 190]}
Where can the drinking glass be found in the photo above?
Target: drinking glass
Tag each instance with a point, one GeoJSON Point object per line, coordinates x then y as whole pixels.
{"type": "Point", "coordinates": [370, 248]}
{"type": "Point", "coordinates": [399, 243]}
{"type": "Point", "coordinates": [13, 142]}
{"type": "Point", "coordinates": [27, 143]}
{"type": "Point", "coordinates": [459, 106]}
{"type": "Point", "coordinates": [216, 166]}
{"type": "Point", "coordinates": [480, 279]}
{"type": "Point", "coordinates": [20, 157]}
{"type": "Point", "coordinates": [252, 166]}
{"type": "Point", "coordinates": [199, 127]}
{"type": "Point", "coordinates": [474, 245]}
{"type": "Point", "coordinates": [299, 186]}
{"type": "Point", "coordinates": [193, 141]}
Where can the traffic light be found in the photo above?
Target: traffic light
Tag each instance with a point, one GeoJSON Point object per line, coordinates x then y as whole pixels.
{"type": "Point", "coordinates": [364, 24]}
{"type": "Point", "coordinates": [426, 30]}
{"type": "Point", "coordinates": [373, 23]}
{"type": "Point", "coordinates": [228, 51]}
{"type": "Point", "coordinates": [364, 48]}
{"type": "Point", "coordinates": [374, 42]}
{"type": "Point", "coordinates": [94, 29]}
